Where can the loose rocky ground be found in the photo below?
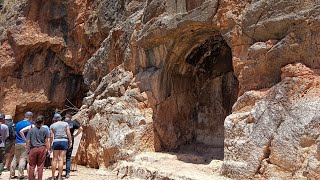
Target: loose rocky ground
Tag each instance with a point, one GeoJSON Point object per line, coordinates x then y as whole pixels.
{"type": "Point", "coordinates": [151, 165]}
{"type": "Point", "coordinates": [81, 173]}
{"type": "Point", "coordinates": [173, 166]}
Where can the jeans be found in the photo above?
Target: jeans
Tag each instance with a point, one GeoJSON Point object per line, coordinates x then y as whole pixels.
{"type": "Point", "coordinates": [68, 158]}
{"type": "Point", "coordinates": [37, 157]}
{"type": "Point", "coordinates": [20, 156]}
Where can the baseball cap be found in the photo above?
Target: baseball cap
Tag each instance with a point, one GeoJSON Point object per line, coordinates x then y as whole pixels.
{"type": "Point", "coordinates": [56, 116]}
{"type": "Point", "coordinates": [28, 114]}
{"type": "Point", "coordinates": [1, 116]}
{"type": "Point", "coordinates": [7, 117]}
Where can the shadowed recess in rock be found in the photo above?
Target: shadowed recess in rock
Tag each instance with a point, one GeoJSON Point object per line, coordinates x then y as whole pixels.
{"type": "Point", "coordinates": [212, 58]}
{"type": "Point", "coordinates": [60, 87]}
{"type": "Point", "coordinates": [201, 97]}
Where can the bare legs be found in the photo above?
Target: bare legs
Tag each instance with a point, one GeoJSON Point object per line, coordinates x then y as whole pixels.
{"type": "Point", "coordinates": [62, 157]}
{"type": "Point", "coordinates": [58, 158]}
{"type": "Point", "coordinates": [55, 159]}
{"type": "Point", "coordinates": [9, 157]}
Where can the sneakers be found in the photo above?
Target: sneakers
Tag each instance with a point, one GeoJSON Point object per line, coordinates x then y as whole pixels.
{"type": "Point", "coordinates": [13, 177]}
{"type": "Point", "coordinates": [16, 177]}
{"type": "Point", "coordinates": [67, 176]}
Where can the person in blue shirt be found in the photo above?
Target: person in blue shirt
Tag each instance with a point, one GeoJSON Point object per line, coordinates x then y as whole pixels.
{"type": "Point", "coordinates": [20, 154]}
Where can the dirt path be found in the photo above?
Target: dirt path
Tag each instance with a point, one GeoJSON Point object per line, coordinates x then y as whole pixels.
{"type": "Point", "coordinates": [82, 173]}
{"type": "Point", "coordinates": [151, 165]}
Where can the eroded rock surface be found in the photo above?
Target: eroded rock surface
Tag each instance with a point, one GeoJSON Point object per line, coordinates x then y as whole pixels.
{"type": "Point", "coordinates": [117, 120]}
{"type": "Point", "coordinates": [279, 133]}
{"type": "Point", "coordinates": [166, 75]}
{"type": "Point", "coordinates": [186, 73]}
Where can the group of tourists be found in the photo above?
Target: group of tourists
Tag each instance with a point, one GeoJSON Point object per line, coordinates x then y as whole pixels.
{"type": "Point", "coordinates": [30, 141]}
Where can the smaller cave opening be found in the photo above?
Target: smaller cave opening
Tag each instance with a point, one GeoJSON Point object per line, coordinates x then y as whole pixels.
{"type": "Point", "coordinates": [50, 86]}
{"type": "Point", "coordinates": [203, 89]}
{"type": "Point", "coordinates": [71, 105]}
{"type": "Point", "coordinates": [74, 93]}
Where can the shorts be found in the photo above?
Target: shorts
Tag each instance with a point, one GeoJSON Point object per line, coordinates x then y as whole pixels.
{"type": "Point", "coordinates": [9, 145]}
{"type": "Point", "coordinates": [60, 145]}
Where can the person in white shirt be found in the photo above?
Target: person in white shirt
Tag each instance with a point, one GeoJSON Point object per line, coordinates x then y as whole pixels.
{"type": "Point", "coordinates": [10, 142]}
{"type": "Point", "coordinates": [4, 134]}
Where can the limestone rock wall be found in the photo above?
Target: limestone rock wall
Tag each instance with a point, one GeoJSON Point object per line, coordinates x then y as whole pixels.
{"type": "Point", "coordinates": [117, 120]}
{"type": "Point", "coordinates": [44, 46]}
{"type": "Point", "coordinates": [159, 75]}
{"type": "Point", "coordinates": [274, 132]}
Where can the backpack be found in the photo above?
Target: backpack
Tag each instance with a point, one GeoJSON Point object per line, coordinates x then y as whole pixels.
{"type": "Point", "coordinates": [12, 131]}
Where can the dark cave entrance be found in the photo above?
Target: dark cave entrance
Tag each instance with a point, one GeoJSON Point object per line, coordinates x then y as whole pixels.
{"type": "Point", "coordinates": [202, 91]}
{"type": "Point", "coordinates": [44, 71]}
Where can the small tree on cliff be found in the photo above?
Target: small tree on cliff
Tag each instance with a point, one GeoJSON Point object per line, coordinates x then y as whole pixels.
{"type": "Point", "coordinates": [68, 108]}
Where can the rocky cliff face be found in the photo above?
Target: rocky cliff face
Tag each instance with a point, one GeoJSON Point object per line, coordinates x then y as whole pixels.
{"type": "Point", "coordinates": [236, 79]}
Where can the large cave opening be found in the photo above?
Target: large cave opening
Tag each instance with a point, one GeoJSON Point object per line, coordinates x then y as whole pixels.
{"type": "Point", "coordinates": [201, 92]}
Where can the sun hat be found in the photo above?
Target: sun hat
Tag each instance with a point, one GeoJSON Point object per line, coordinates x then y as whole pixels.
{"type": "Point", "coordinates": [8, 117]}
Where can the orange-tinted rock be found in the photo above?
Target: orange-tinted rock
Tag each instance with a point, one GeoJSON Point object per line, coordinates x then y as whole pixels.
{"type": "Point", "coordinates": [45, 45]}
{"type": "Point", "coordinates": [164, 75]}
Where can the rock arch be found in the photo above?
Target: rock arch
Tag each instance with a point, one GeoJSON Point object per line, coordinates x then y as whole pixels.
{"type": "Point", "coordinates": [200, 89]}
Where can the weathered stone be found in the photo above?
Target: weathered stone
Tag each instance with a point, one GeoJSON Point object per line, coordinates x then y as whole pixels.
{"type": "Point", "coordinates": [285, 129]}
{"type": "Point", "coordinates": [186, 76]}
{"type": "Point", "coordinates": [116, 122]}
{"type": "Point", "coordinates": [43, 54]}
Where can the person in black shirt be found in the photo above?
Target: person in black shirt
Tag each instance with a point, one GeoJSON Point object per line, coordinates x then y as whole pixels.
{"type": "Point", "coordinates": [73, 125]}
